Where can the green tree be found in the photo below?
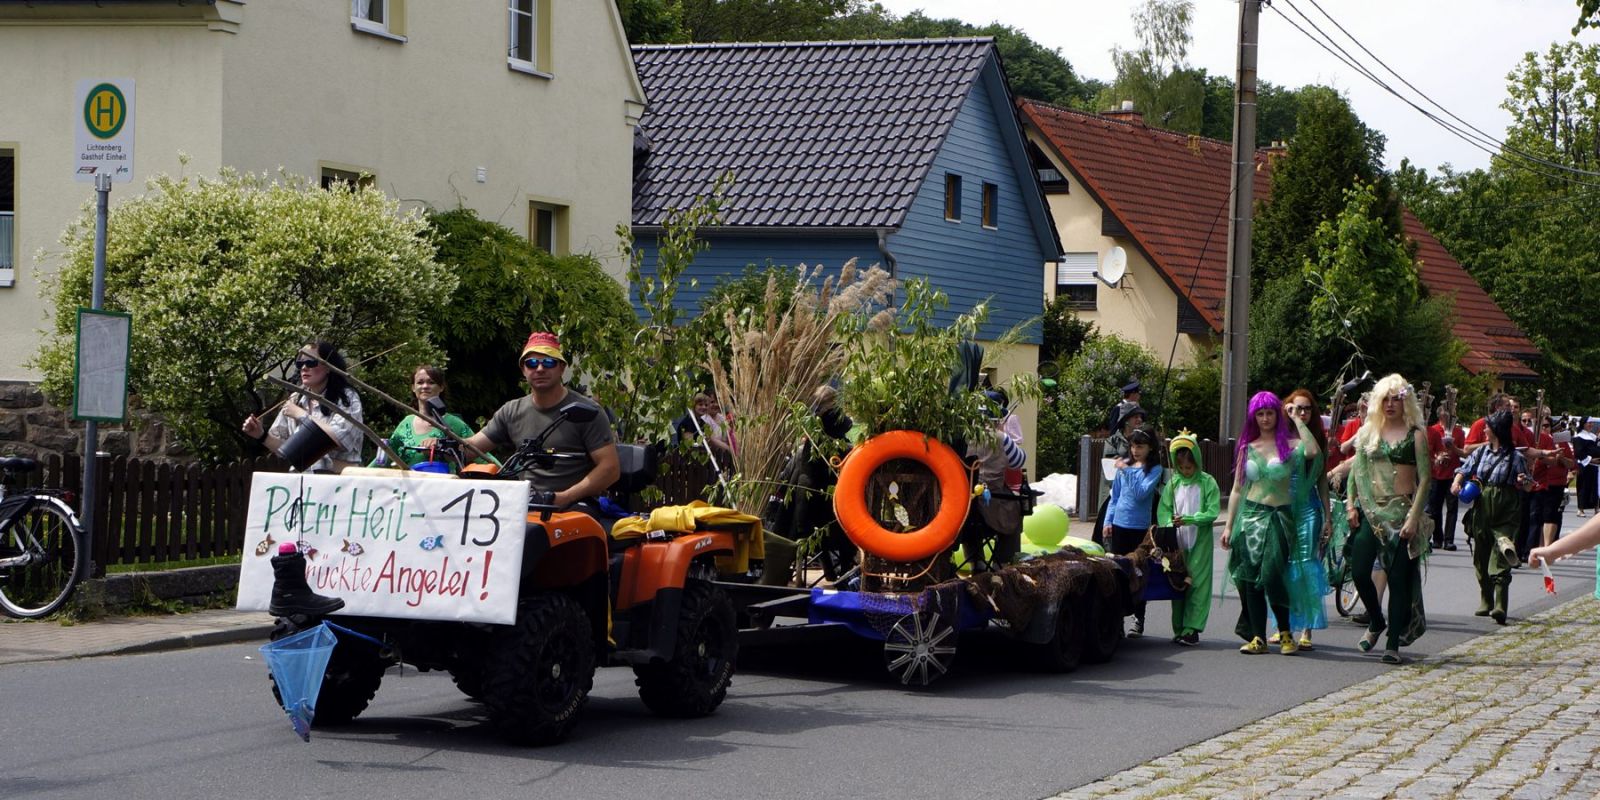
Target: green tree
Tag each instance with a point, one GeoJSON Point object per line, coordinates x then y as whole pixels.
{"type": "Point", "coordinates": [1063, 333]}
{"type": "Point", "coordinates": [1332, 150]}
{"type": "Point", "coordinates": [1089, 384]}
{"type": "Point", "coordinates": [226, 278]}
{"type": "Point", "coordinates": [507, 288]}
{"type": "Point", "coordinates": [653, 21]}
{"type": "Point", "coordinates": [1588, 15]}
{"type": "Point", "coordinates": [1156, 75]}
{"type": "Point", "coordinates": [1356, 303]}
{"type": "Point", "coordinates": [1193, 400]}
{"type": "Point", "coordinates": [1525, 229]}
{"type": "Point", "coordinates": [1276, 110]}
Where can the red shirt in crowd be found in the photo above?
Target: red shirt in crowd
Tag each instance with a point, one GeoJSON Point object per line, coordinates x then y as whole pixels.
{"type": "Point", "coordinates": [1343, 435]}
{"type": "Point", "coordinates": [1442, 468]}
{"type": "Point", "coordinates": [1552, 472]}
{"type": "Point", "coordinates": [1520, 436]}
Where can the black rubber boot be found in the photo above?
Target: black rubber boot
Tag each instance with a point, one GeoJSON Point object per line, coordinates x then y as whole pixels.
{"type": "Point", "coordinates": [1502, 591]}
{"type": "Point", "coordinates": [292, 595]}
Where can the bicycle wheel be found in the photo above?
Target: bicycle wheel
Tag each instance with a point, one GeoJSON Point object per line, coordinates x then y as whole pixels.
{"type": "Point", "coordinates": [48, 547]}
{"type": "Point", "coordinates": [1345, 598]}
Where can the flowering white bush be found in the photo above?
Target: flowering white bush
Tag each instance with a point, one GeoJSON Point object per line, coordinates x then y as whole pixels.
{"type": "Point", "coordinates": [226, 278]}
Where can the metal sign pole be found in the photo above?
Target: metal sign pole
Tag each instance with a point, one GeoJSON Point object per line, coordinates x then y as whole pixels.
{"type": "Point", "coordinates": [91, 428]}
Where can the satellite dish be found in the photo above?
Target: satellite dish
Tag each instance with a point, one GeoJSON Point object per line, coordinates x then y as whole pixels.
{"type": "Point", "coordinates": [1113, 266]}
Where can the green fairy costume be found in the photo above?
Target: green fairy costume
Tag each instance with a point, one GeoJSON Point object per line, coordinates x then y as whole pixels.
{"type": "Point", "coordinates": [1384, 512]}
{"type": "Point", "coordinates": [1260, 543]}
{"type": "Point", "coordinates": [1198, 501]}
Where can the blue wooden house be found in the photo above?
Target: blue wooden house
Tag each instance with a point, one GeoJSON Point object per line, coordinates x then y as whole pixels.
{"type": "Point", "coordinates": [906, 154]}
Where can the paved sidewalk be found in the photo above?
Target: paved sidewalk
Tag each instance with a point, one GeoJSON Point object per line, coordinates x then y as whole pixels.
{"type": "Point", "coordinates": [1513, 714]}
{"type": "Point", "coordinates": [50, 641]}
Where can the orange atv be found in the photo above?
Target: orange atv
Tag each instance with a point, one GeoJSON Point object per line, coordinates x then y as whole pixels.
{"type": "Point", "coordinates": [585, 600]}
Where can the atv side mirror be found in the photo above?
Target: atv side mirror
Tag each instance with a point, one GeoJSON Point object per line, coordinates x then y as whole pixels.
{"type": "Point", "coordinates": [436, 408]}
{"type": "Point", "coordinates": [579, 412]}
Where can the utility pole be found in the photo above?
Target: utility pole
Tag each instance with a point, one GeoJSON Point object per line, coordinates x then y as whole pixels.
{"type": "Point", "coordinates": [1236, 327]}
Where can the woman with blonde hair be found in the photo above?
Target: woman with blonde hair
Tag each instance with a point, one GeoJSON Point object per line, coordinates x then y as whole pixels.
{"type": "Point", "coordinates": [1385, 511]}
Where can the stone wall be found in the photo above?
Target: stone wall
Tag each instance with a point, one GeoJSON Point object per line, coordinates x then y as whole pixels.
{"type": "Point", "coordinates": [30, 426]}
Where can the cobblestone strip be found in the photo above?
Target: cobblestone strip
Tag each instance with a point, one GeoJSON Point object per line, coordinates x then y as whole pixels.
{"type": "Point", "coordinates": [1512, 714]}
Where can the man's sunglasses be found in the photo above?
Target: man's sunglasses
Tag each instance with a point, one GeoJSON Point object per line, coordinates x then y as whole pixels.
{"type": "Point", "coordinates": [306, 363]}
{"type": "Point", "coordinates": [536, 363]}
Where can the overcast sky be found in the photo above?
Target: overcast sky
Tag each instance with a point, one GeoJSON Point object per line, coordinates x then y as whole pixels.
{"type": "Point", "coordinates": [1457, 51]}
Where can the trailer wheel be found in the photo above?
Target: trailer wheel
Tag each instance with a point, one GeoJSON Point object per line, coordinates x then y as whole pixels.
{"type": "Point", "coordinates": [1064, 651]}
{"type": "Point", "coordinates": [1102, 627]}
{"type": "Point", "coordinates": [920, 647]}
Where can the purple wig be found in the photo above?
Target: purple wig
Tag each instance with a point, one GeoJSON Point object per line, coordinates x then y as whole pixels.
{"type": "Point", "coordinates": [1252, 432]}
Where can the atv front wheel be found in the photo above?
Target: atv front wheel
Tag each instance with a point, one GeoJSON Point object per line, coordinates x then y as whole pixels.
{"type": "Point", "coordinates": [695, 681]}
{"type": "Point", "coordinates": [351, 680]}
{"type": "Point", "coordinates": [540, 671]}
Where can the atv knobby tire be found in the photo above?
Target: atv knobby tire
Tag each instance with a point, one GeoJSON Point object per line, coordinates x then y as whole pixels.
{"type": "Point", "coordinates": [351, 680]}
{"type": "Point", "coordinates": [696, 679]}
{"type": "Point", "coordinates": [540, 671]}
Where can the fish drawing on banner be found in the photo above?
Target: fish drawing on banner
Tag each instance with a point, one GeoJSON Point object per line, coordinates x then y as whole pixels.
{"type": "Point", "coordinates": [353, 548]}
{"type": "Point", "coordinates": [306, 550]}
{"type": "Point", "coordinates": [266, 545]}
{"type": "Point", "coordinates": [431, 543]}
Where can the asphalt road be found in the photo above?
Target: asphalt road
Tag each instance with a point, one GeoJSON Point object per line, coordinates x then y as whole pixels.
{"type": "Point", "coordinates": [798, 722]}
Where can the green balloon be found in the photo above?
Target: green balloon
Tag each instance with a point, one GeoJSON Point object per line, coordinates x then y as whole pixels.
{"type": "Point", "coordinates": [1046, 526]}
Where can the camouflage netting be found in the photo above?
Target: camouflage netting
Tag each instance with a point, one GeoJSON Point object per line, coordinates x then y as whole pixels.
{"type": "Point", "coordinates": [1016, 592]}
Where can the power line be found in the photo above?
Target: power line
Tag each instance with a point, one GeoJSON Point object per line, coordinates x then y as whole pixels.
{"type": "Point", "coordinates": [1345, 58]}
{"type": "Point", "coordinates": [1501, 144]}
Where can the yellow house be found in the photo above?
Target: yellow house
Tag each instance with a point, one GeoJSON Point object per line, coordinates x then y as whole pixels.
{"type": "Point", "coordinates": [1157, 201]}
{"type": "Point", "coordinates": [523, 110]}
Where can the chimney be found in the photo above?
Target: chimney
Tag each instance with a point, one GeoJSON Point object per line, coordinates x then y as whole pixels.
{"type": "Point", "coordinates": [1125, 114]}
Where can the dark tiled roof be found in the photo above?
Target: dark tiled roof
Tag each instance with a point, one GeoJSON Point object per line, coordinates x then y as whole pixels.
{"type": "Point", "coordinates": [1169, 188]}
{"type": "Point", "coordinates": [817, 134]}
{"type": "Point", "coordinates": [1493, 340]}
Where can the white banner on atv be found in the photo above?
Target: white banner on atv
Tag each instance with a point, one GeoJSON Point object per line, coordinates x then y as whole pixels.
{"type": "Point", "coordinates": [402, 546]}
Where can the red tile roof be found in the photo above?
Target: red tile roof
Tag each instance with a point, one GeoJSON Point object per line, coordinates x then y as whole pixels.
{"type": "Point", "coordinates": [1170, 190]}
{"type": "Point", "coordinates": [1493, 340]}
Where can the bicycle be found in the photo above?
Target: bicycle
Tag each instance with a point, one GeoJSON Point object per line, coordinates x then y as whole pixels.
{"type": "Point", "coordinates": [43, 554]}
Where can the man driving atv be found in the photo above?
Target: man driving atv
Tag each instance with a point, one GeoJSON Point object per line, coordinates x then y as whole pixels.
{"type": "Point", "coordinates": [544, 366]}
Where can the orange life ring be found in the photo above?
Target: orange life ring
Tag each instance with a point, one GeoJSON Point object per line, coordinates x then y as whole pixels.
{"type": "Point", "coordinates": [850, 497]}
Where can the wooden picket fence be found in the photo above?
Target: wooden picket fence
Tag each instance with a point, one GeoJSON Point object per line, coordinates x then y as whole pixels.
{"type": "Point", "coordinates": [158, 512]}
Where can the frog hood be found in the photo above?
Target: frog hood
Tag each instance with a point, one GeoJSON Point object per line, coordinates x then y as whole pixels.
{"type": "Point", "coordinates": [1185, 440]}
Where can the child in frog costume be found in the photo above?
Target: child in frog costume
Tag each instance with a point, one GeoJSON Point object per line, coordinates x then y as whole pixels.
{"type": "Point", "coordinates": [1190, 500]}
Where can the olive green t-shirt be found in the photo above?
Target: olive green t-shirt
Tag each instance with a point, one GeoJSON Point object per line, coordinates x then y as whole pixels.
{"type": "Point", "coordinates": [520, 420]}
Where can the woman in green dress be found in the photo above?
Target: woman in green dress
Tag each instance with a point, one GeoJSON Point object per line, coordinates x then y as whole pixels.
{"type": "Point", "coordinates": [1385, 511]}
{"type": "Point", "coordinates": [1260, 525]}
{"type": "Point", "coordinates": [418, 434]}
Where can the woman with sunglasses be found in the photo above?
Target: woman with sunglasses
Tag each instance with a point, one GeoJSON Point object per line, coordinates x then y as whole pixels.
{"type": "Point", "coordinates": [300, 410]}
{"type": "Point", "coordinates": [1307, 578]}
{"type": "Point", "coordinates": [1385, 512]}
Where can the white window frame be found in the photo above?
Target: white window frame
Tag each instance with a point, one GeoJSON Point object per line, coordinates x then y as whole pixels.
{"type": "Point", "coordinates": [1078, 269]}
{"type": "Point", "coordinates": [362, 18]}
{"type": "Point", "coordinates": [531, 10]}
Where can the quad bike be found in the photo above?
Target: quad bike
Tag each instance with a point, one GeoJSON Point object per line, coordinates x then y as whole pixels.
{"type": "Point", "coordinates": [584, 600]}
